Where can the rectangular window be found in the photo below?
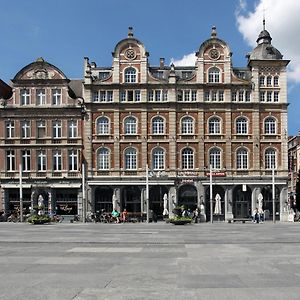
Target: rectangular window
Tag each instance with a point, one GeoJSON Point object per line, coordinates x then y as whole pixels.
{"type": "Point", "coordinates": [248, 96]}
{"type": "Point", "coordinates": [276, 96]}
{"type": "Point", "coordinates": [214, 95]}
{"type": "Point", "coordinates": [103, 75]}
{"type": "Point", "coordinates": [206, 95]}
{"type": "Point", "coordinates": [194, 95]}
{"type": "Point", "coordinates": [187, 95]}
{"type": "Point", "coordinates": [9, 129]}
{"type": "Point", "coordinates": [150, 95]}
{"type": "Point", "coordinates": [233, 96]}
{"type": "Point", "coordinates": [179, 95]}
{"type": "Point", "coordinates": [41, 129]}
{"type": "Point", "coordinates": [25, 129]}
{"type": "Point", "coordinates": [10, 160]}
{"type": "Point", "coordinates": [56, 96]}
{"type": "Point", "coordinates": [40, 97]}
{"type": "Point", "coordinates": [41, 161]}
{"type": "Point", "coordinates": [57, 161]}
{"type": "Point", "coordinates": [129, 95]}
{"type": "Point", "coordinates": [56, 129]}
{"type": "Point", "coordinates": [102, 96]}
{"type": "Point", "coordinates": [72, 129]}
{"type": "Point", "coordinates": [123, 96]}
{"type": "Point", "coordinates": [25, 160]}
{"type": "Point", "coordinates": [158, 95]}
{"type": "Point", "coordinates": [137, 96]}
{"type": "Point", "coordinates": [165, 95]}
{"type": "Point", "coordinates": [109, 96]}
{"type": "Point", "coordinates": [73, 160]}
{"type": "Point", "coordinates": [25, 97]}
{"type": "Point", "coordinates": [269, 96]}
{"type": "Point", "coordinates": [221, 96]}
{"type": "Point", "coordinates": [262, 96]}
{"type": "Point", "coordinates": [95, 96]}
{"type": "Point", "coordinates": [241, 95]}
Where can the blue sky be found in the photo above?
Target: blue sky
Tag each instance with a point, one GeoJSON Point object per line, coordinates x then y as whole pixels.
{"type": "Point", "coordinates": [63, 32]}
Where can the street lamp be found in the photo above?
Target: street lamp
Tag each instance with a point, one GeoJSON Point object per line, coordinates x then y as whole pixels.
{"type": "Point", "coordinates": [21, 193]}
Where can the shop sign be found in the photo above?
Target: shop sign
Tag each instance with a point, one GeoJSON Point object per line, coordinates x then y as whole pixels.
{"type": "Point", "coordinates": [216, 174]}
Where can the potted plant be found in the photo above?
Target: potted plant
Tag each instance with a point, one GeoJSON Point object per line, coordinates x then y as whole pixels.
{"type": "Point", "coordinates": [179, 218]}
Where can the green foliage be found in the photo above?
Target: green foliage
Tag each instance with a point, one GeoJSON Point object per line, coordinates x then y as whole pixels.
{"type": "Point", "coordinates": [36, 219]}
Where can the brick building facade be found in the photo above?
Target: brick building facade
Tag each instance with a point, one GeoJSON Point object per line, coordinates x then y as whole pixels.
{"type": "Point", "coordinates": [177, 120]}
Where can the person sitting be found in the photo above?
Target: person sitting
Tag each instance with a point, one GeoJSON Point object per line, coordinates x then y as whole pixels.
{"type": "Point", "coordinates": [256, 216]}
{"type": "Point", "coordinates": [115, 215]}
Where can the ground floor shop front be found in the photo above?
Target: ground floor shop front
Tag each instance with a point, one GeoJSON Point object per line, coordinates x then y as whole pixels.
{"type": "Point", "coordinates": [234, 198]}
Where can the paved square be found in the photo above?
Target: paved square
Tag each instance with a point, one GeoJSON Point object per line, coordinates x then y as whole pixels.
{"type": "Point", "coordinates": [150, 261]}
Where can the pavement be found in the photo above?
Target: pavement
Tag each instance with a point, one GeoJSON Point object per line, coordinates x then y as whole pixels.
{"type": "Point", "coordinates": [150, 261]}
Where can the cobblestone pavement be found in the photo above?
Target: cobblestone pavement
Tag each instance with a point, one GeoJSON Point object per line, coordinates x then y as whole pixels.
{"type": "Point", "coordinates": [150, 261]}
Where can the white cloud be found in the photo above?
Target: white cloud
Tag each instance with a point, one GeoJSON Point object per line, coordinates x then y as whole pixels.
{"type": "Point", "coordinates": [186, 60]}
{"type": "Point", "coordinates": [282, 21]}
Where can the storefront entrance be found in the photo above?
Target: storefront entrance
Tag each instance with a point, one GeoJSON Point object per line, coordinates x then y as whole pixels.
{"type": "Point", "coordinates": [241, 202]}
{"type": "Point", "coordinates": [131, 199]}
{"type": "Point", "coordinates": [156, 198]}
{"type": "Point", "coordinates": [103, 199]}
{"type": "Point", "coordinates": [187, 197]}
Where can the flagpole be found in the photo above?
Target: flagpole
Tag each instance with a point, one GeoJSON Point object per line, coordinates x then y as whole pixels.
{"type": "Point", "coordinates": [147, 192]}
{"type": "Point", "coordinates": [273, 194]}
{"type": "Point", "coordinates": [21, 193]}
{"type": "Point", "coordinates": [83, 195]}
{"type": "Point", "coordinates": [211, 194]}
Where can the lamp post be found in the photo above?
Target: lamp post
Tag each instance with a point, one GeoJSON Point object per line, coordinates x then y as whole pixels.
{"type": "Point", "coordinates": [83, 195]}
{"type": "Point", "coordinates": [21, 193]}
{"type": "Point", "coordinates": [147, 192]}
{"type": "Point", "coordinates": [273, 194]}
{"type": "Point", "coordinates": [210, 194]}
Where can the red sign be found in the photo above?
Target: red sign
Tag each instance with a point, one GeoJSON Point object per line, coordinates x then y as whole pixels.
{"type": "Point", "coordinates": [216, 174]}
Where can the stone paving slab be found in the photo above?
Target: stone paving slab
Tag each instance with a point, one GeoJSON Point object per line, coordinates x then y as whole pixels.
{"type": "Point", "coordinates": [150, 261]}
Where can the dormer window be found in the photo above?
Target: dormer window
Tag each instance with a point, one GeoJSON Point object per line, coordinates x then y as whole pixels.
{"type": "Point", "coordinates": [130, 75]}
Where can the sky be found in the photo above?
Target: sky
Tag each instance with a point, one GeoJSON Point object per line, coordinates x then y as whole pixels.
{"type": "Point", "coordinates": [63, 32]}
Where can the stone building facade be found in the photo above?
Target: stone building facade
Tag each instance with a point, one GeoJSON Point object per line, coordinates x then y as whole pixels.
{"type": "Point", "coordinates": [178, 121]}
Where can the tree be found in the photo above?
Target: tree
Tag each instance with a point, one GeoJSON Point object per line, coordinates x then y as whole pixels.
{"type": "Point", "coordinates": [298, 191]}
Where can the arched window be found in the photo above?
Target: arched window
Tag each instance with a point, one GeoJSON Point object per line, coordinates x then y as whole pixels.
{"type": "Point", "coordinates": [187, 158]}
{"type": "Point", "coordinates": [214, 126]}
{"type": "Point", "coordinates": [103, 159]}
{"type": "Point", "coordinates": [158, 159]}
{"type": "Point", "coordinates": [130, 125]}
{"type": "Point", "coordinates": [270, 159]}
{"type": "Point", "coordinates": [103, 125]}
{"type": "Point", "coordinates": [242, 126]}
{"type": "Point", "coordinates": [215, 158]}
{"type": "Point", "coordinates": [187, 125]}
{"type": "Point", "coordinates": [261, 80]}
{"type": "Point", "coordinates": [269, 81]}
{"type": "Point", "coordinates": [214, 75]}
{"type": "Point", "coordinates": [242, 159]}
{"type": "Point", "coordinates": [130, 75]}
{"type": "Point", "coordinates": [270, 126]}
{"type": "Point", "coordinates": [158, 125]}
{"type": "Point", "coordinates": [276, 81]}
{"type": "Point", "coordinates": [130, 159]}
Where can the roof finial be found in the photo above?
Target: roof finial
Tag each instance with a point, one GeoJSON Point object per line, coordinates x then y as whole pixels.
{"type": "Point", "coordinates": [130, 32]}
{"type": "Point", "coordinates": [264, 19]}
{"type": "Point", "coordinates": [213, 32]}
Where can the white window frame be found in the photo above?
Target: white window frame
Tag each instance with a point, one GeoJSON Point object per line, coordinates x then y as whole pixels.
{"type": "Point", "coordinates": [25, 97]}
{"type": "Point", "coordinates": [73, 160]}
{"type": "Point", "coordinates": [72, 129]}
{"type": "Point", "coordinates": [130, 159]}
{"type": "Point", "coordinates": [158, 125]}
{"type": "Point", "coordinates": [158, 156]}
{"type": "Point", "coordinates": [41, 161]}
{"type": "Point", "coordinates": [214, 75]}
{"type": "Point", "coordinates": [103, 159]}
{"type": "Point", "coordinates": [187, 159]}
{"type": "Point", "coordinates": [40, 97]}
{"type": "Point", "coordinates": [25, 155]}
{"type": "Point", "coordinates": [187, 125]}
{"type": "Point", "coordinates": [103, 126]}
{"type": "Point", "coordinates": [130, 75]}
{"type": "Point", "coordinates": [130, 126]}
{"type": "Point", "coordinates": [242, 159]}
{"type": "Point", "coordinates": [215, 158]}
{"type": "Point", "coordinates": [56, 96]}
{"type": "Point", "coordinates": [270, 125]}
{"type": "Point", "coordinates": [270, 159]}
{"type": "Point", "coordinates": [10, 160]}
{"type": "Point", "coordinates": [241, 124]}
{"type": "Point", "coordinates": [214, 125]}
{"type": "Point", "coordinates": [57, 160]}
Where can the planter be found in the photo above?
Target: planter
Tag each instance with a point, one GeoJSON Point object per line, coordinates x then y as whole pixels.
{"type": "Point", "coordinates": [180, 222]}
